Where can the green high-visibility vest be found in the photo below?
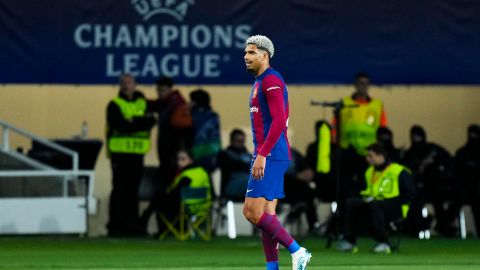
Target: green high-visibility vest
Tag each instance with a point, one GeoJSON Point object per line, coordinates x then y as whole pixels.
{"type": "Point", "coordinates": [359, 124]}
{"type": "Point", "coordinates": [384, 184]}
{"type": "Point", "coordinates": [323, 149]}
{"type": "Point", "coordinates": [130, 142]}
{"type": "Point", "coordinates": [198, 179]}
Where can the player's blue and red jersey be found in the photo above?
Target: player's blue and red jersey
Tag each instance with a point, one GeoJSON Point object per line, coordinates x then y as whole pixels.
{"type": "Point", "coordinates": [269, 116]}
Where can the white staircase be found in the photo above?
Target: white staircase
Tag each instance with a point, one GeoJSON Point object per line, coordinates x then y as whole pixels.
{"type": "Point", "coordinates": [38, 199]}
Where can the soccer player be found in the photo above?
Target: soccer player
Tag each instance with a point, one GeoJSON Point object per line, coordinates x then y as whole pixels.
{"type": "Point", "coordinates": [269, 117]}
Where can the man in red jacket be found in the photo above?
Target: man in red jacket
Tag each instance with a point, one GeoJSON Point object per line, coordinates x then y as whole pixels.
{"type": "Point", "coordinates": [174, 133]}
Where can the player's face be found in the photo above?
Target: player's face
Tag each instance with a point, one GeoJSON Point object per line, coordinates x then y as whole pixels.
{"type": "Point", "coordinates": [254, 58]}
{"type": "Point", "coordinates": [375, 159]}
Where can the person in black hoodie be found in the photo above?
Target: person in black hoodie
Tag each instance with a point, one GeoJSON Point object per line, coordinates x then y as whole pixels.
{"type": "Point", "coordinates": [432, 169]}
{"type": "Point", "coordinates": [466, 187]}
{"type": "Point", "coordinates": [128, 140]}
{"type": "Point", "coordinates": [385, 138]}
{"type": "Point", "coordinates": [300, 192]}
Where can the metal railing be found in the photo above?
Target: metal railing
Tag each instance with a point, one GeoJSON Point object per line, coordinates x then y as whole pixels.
{"type": "Point", "coordinates": [42, 170]}
{"type": "Point", "coordinates": [5, 147]}
{"type": "Point", "coordinates": [38, 170]}
{"type": "Point", "coordinates": [66, 174]}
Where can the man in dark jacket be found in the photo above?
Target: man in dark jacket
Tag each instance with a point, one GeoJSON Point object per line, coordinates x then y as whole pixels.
{"type": "Point", "coordinates": [128, 140]}
{"type": "Point", "coordinates": [206, 130]}
{"type": "Point", "coordinates": [466, 187]}
{"type": "Point", "coordinates": [234, 163]}
{"type": "Point", "coordinates": [174, 126]}
{"type": "Point", "coordinates": [385, 138]}
{"type": "Point", "coordinates": [300, 192]}
{"type": "Point", "coordinates": [174, 132]}
{"type": "Point", "coordinates": [431, 166]}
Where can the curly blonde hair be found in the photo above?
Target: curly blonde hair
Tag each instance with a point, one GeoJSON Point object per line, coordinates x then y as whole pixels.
{"type": "Point", "coordinates": [263, 43]}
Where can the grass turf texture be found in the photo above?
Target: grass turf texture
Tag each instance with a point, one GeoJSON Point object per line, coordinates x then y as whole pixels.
{"type": "Point", "coordinates": [221, 253]}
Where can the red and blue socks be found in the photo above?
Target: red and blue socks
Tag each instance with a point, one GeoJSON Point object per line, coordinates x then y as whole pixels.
{"type": "Point", "coordinates": [270, 248]}
{"type": "Point", "coordinates": [270, 225]}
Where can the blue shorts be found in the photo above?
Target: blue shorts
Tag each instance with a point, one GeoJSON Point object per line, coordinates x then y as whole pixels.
{"type": "Point", "coordinates": [270, 186]}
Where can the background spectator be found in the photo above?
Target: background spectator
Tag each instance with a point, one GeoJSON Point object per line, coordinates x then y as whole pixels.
{"type": "Point", "coordinates": [174, 123]}
{"type": "Point", "coordinates": [206, 130]}
{"type": "Point", "coordinates": [174, 132]}
{"type": "Point", "coordinates": [389, 191]}
{"type": "Point", "coordinates": [359, 117]}
{"type": "Point", "coordinates": [326, 186]}
{"type": "Point", "coordinates": [385, 138]}
{"type": "Point", "coordinates": [431, 166]}
{"type": "Point", "coordinates": [128, 137]}
{"type": "Point", "coordinates": [234, 163]}
{"type": "Point", "coordinates": [466, 187]}
{"type": "Point", "coordinates": [189, 175]}
{"type": "Point", "coordinates": [298, 191]}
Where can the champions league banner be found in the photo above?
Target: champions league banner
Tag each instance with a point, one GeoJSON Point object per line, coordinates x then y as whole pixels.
{"type": "Point", "coordinates": [202, 41]}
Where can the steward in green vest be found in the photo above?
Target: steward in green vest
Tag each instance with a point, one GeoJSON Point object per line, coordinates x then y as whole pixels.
{"type": "Point", "coordinates": [193, 178]}
{"type": "Point", "coordinates": [383, 183]}
{"type": "Point", "coordinates": [128, 140]}
{"type": "Point", "coordinates": [128, 129]}
{"type": "Point", "coordinates": [389, 191]}
{"type": "Point", "coordinates": [359, 124]}
{"type": "Point", "coordinates": [360, 117]}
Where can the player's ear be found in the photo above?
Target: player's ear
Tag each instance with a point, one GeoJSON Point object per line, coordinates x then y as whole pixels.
{"type": "Point", "coordinates": [265, 55]}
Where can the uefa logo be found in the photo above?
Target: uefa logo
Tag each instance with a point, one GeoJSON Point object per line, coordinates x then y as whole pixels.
{"type": "Point", "coordinates": [149, 8]}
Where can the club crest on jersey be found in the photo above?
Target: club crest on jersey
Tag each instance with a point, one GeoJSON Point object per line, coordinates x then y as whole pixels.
{"type": "Point", "coordinates": [255, 91]}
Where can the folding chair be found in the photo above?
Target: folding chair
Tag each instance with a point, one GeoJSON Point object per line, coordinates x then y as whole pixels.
{"type": "Point", "coordinates": [194, 216]}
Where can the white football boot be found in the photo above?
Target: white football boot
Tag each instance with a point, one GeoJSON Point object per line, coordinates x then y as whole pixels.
{"type": "Point", "coordinates": [300, 259]}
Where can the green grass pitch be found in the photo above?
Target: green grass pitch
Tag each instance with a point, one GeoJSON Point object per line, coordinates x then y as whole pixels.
{"type": "Point", "coordinates": [220, 253]}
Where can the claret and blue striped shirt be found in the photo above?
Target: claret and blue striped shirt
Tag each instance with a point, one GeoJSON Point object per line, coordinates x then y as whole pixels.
{"type": "Point", "coordinates": [269, 116]}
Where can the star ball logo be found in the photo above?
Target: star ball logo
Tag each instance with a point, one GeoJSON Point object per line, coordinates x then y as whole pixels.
{"type": "Point", "coordinates": [193, 50]}
{"type": "Point", "coordinates": [150, 8]}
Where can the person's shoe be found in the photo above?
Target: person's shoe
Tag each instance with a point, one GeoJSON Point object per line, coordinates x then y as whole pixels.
{"type": "Point", "coordinates": [346, 246]}
{"type": "Point", "coordinates": [300, 259]}
{"type": "Point", "coordinates": [382, 248]}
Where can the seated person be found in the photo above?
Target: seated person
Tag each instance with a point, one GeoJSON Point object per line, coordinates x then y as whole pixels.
{"type": "Point", "coordinates": [234, 163]}
{"type": "Point", "coordinates": [432, 170]}
{"type": "Point", "coordinates": [390, 189]}
{"type": "Point", "coordinates": [385, 138]}
{"type": "Point", "coordinates": [190, 174]}
{"type": "Point", "coordinates": [300, 192]}
{"type": "Point", "coordinates": [466, 187]}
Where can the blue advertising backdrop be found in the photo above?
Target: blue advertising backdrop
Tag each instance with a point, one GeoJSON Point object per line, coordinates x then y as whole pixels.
{"type": "Point", "coordinates": [202, 41]}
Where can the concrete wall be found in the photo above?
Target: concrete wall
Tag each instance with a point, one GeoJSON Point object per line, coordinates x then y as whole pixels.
{"type": "Point", "coordinates": [57, 111]}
